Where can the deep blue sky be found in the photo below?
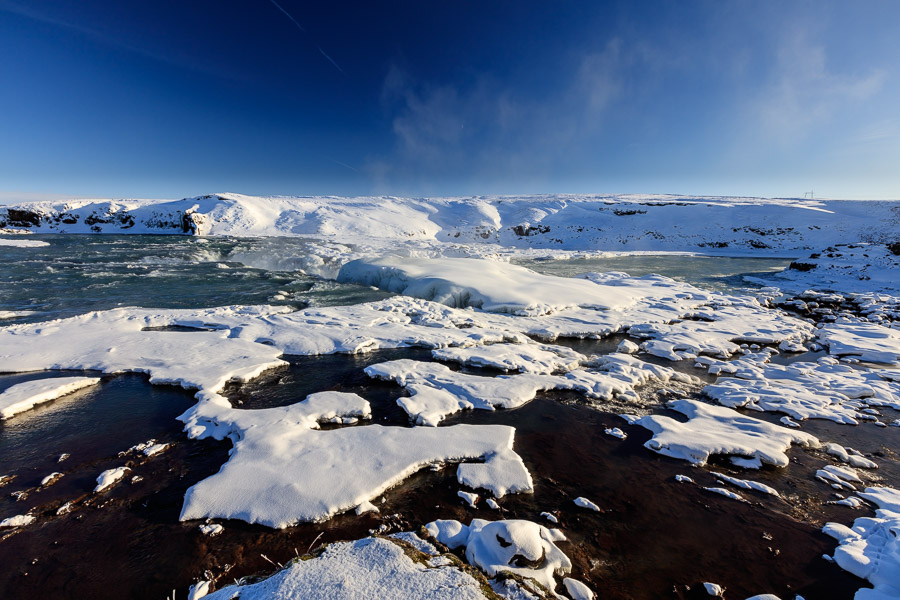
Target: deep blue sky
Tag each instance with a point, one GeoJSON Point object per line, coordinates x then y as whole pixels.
{"type": "Point", "coordinates": [172, 98]}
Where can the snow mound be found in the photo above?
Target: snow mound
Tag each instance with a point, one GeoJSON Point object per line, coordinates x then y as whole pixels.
{"type": "Point", "coordinates": [282, 471]}
{"type": "Point", "coordinates": [25, 396]}
{"type": "Point", "coordinates": [515, 546]}
{"type": "Point", "coordinates": [718, 430]}
{"type": "Point", "coordinates": [366, 568]}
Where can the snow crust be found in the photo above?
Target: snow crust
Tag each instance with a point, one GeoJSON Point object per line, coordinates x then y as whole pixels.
{"type": "Point", "coordinates": [25, 396]}
{"type": "Point", "coordinates": [867, 341]}
{"type": "Point", "coordinates": [719, 430]}
{"type": "Point", "coordinates": [542, 359]}
{"type": "Point", "coordinates": [366, 568]}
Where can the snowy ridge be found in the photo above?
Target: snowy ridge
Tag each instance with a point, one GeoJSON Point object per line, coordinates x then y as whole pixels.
{"type": "Point", "coordinates": [559, 222]}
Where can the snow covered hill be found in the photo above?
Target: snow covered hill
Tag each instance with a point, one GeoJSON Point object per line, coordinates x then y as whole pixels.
{"type": "Point", "coordinates": [720, 225]}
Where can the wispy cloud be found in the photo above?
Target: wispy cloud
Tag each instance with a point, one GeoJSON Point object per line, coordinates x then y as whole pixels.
{"type": "Point", "coordinates": [803, 92]}
{"type": "Point", "coordinates": [487, 130]}
{"type": "Point", "coordinates": [187, 63]}
{"type": "Point", "coordinates": [301, 28]}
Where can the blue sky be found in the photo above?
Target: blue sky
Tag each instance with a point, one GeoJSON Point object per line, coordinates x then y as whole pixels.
{"type": "Point", "coordinates": [170, 99]}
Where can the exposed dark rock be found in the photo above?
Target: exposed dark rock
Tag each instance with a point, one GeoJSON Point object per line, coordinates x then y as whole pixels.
{"type": "Point", "coordinates": [22, 218]}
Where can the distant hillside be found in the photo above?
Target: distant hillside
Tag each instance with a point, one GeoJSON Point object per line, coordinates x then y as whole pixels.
{"type": "Point", "coordinates": [726, 225]}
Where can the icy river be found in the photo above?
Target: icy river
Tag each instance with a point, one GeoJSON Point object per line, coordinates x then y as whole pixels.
{"type": "Point", "coordinates": [653, 536]}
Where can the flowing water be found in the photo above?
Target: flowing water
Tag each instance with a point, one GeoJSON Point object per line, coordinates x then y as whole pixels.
{"type": "Point", "coordinates": [655, 538]}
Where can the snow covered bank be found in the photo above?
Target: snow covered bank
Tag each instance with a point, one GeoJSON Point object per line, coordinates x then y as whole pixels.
{"type": "Point", "coordinates": [846, 267]}
{"type": "Point", "coordinates": [555, 222]}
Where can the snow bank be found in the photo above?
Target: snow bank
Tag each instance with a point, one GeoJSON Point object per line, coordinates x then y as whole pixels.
{"type": "Point", "coordinates": [853, 267]}
{"type": "Point", "coordinates": [871, 548]}
{"type": "Point", "coordinates": [718, 430]}
{"type": "Point", "coordinates": [282, 471]}
{"type": "Point", "coordinates": [515, 546]}
{"type": "Point", "coordinates": [366, 568]}
{"type": "Point", "coordinates": [25, 396]}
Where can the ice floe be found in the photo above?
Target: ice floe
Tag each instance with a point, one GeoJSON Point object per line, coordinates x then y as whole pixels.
{"type": "Point", "coordinates": [25, 396]}
{"type": "Point", "coordinates": [491, 286]}
{"type": "Point", "coordinates": [577, 590]}
{"type": "Point", "coordinates": [719, 430]}
{"type": "Point", "coordinates": [726, 492]}
{"type": "Point", "coordinates": [514, 546]}
{"type": "Point", "coordinates": [366, 568]}
{"type": "Point", "coordinates": [871, 548]}
{"type": "Point", "coordinates": [282, 471]}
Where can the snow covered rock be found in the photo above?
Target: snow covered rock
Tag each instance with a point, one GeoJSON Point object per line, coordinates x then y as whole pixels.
{"type": "Point", "coordinates": [515, 546]}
